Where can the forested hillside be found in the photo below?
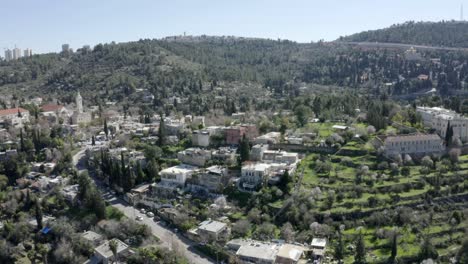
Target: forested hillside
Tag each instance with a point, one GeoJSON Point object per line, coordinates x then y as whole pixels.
{"type": "Point", "coordinates": [194, 67]}
{"type": "Point", "coordinates": [444, 34]}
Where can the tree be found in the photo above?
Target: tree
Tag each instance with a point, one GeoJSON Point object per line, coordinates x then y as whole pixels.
{"type": "Point", "coordinates": [43, 250]}
{"type": "Point", "coordinates": [106, 130]}
{"type": "Point", "coordinates": [462, 255]}
{"type": "Point", "coordinates": [241, 227]}
{"type": "Point", "coordinates": [3, 182]}
{"type": "Point", "coordinates": [38, 214]}
{"type": "Point", "coordinates": [339, 248]}
{"type": "Point", "coordinates": [303, 114]}
{"type": "Point", "coordinates": [454, 155]}
{"type": "Point", "coordinates": [93, 141]}
{"type": "Point", "coordinates": [161, 131]}
{"type": "Point", "coordinates": [427, 162]}
{"type": "Point", "coordinates": [394, 246]}
{"type": "Point", "coordinates": [448, 134]}
{"type": "Point", "coordinates": [113, 245]}
{"type": "Point", "coordinates": [152, 170]}
{"type": "Point", "coordinates": [140, 174]}
{"type": "Point", "coordinates": [244, 149]}
{"type": "Point", "coordinates": [360, 256]}
{"type": "Point", "coordinates": [427, 250]}
{"type": "Point", "coordinates": [22, 146]}
{"type": "Point", "coordinates": [287, 232]}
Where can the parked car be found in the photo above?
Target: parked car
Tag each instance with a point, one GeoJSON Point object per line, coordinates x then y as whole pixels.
{"type": "Point", "coordinates": [143, 211]}
{"type": "Point", "coordinates": [139, 218]}
{"type": "Point", "coordinates": [150, 214]}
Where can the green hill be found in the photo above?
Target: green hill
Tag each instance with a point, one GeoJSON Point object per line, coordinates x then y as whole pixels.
{"type": "Point", "coordinates": [445, 33]}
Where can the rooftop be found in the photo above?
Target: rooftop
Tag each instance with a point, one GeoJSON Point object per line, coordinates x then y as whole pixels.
{"type": "Point", "coordinates": [256, 166]}
{"type": "Point", "coordinates": [91, 236]}
{"type": "Point", "coordinates": [11, 111]}
{"type": "Point", "coordinates": [51, 107]}
{"type": "Point", "coordinates": [105, 250]}
{"type": "Point", "coordinates": [259, 250]}
{"type": "Point", "coordinates": [182, 168]}
{"type": "Point", "coordinates": [289, 251]}
{"type": "Point", "coordinates": [211, 226]}
{"type": "Point", "coordinates": [319, 242]}
{"type": "Point", "coordinates": [412, 137]}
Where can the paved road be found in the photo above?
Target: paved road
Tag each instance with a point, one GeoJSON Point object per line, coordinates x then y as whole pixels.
{"type": "Point", "coordinates": [400, 45]}
{"type": "Point", "coordinates": [169, 239]}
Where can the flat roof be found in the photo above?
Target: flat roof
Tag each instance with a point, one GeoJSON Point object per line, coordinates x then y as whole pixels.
{"type": "Point", "coordinates": [289, 251]}
{"type": "Point", "coordinates": [182, 168]}
{"type": "Point", "coordinates": [319, 242]}
{"type": "Point", "coordinates": [256, 166]}
{"type": "Point", "coordinates": [259, 250]}
{"type": "Point", "coordinates": [211, 226]}
{"type": "Point", "coordinates": [412, 137]}
{"type": "Point", "coordinates": [91, 236]}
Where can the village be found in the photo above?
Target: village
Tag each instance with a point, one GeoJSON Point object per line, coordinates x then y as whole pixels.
{"type": "Point", "coordinates": [192, 179]}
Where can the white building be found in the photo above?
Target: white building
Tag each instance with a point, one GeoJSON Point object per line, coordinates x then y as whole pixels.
{"type": "Point", "coordinates": [201, 138]}
{"type": "Point", "coordinates": [8, 55]}
{"type": "Point", "coordinates": [15, 116]}
{"type": "Point", "coordinates": [439, 119]}
{"type": "Point", "coordinates": [16, 53]}
{"type": "Point", "coordinates": [177, 174]}
{"type": "Point", "coordinates": [318, 246]}
{"type": "Point", "coordinates": [252, 251]}
{"type": "Point", "coordinates": [419, 144]}
{"type": "Point", "coordinates": [279, 156]}
{"type": "Point", "coordinates": [79, 115]}
{"type": "Point", "coordinates": [268, 138]}
{"type": "Point", "coordinates": [27, 53]}
{"type": "Point", "coordinates": [253, 175]}
{"type": "Point", "coordinates": [211, 231]}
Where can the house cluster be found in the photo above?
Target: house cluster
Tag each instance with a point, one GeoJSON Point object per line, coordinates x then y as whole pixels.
{"type": "Point", "coordinates": [18, 116]}
{"type": "Point", "coordinates": [441, 119]}
{"type": "Point", "coordinates": [102, 250]}
{"type": "Point", "coordinates": [266, 167]}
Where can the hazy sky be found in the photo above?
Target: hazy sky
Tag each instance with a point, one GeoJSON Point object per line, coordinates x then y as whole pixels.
{"type": "Point", "coordinates": [44, 25]}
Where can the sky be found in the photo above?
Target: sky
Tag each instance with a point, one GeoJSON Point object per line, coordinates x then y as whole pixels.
{"type": "Point", "coordinates": [44, 25]}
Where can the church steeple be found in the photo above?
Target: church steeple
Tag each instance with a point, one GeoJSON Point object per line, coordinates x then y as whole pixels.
{"type": "Point", "coordinates": [79, 102]}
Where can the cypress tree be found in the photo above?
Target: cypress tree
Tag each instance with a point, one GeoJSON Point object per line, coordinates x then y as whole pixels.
{"type": "Point", "coordinates": [38, 214]}
{"type": "Point", "coordinates": [448, 134]}
{"type": "Point", "coordinates": [360, 256]}
{"type": "Point", "coordinates": [339, 249]}
{"type": "Point", "coordinates": [106, 130]}
{"type": "Point", "coordinates": [22, 140]}
{"type": "Point", "coordinates": [161, 131]}
{"type": "Point", "coordinates": [244, 149]}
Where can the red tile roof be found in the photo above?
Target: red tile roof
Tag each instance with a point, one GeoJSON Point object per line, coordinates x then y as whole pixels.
{"type": "Point", "coordinates": [11, 111]}
{"type": "Point", "coordinates": [51, 107]}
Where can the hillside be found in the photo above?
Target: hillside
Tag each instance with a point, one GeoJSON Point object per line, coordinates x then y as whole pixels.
{"type": "Point", "coordinates": [207, 67]}
{"type": "Point", "coordinates": [444, 34]}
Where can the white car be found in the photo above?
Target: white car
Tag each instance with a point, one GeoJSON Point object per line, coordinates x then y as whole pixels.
{"type": "Point", "coordinates": [139, 218]}
{"type": "Point", "coordinates": [150, 214]}
{"type": "Point", "coordinates": [143, 211]}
